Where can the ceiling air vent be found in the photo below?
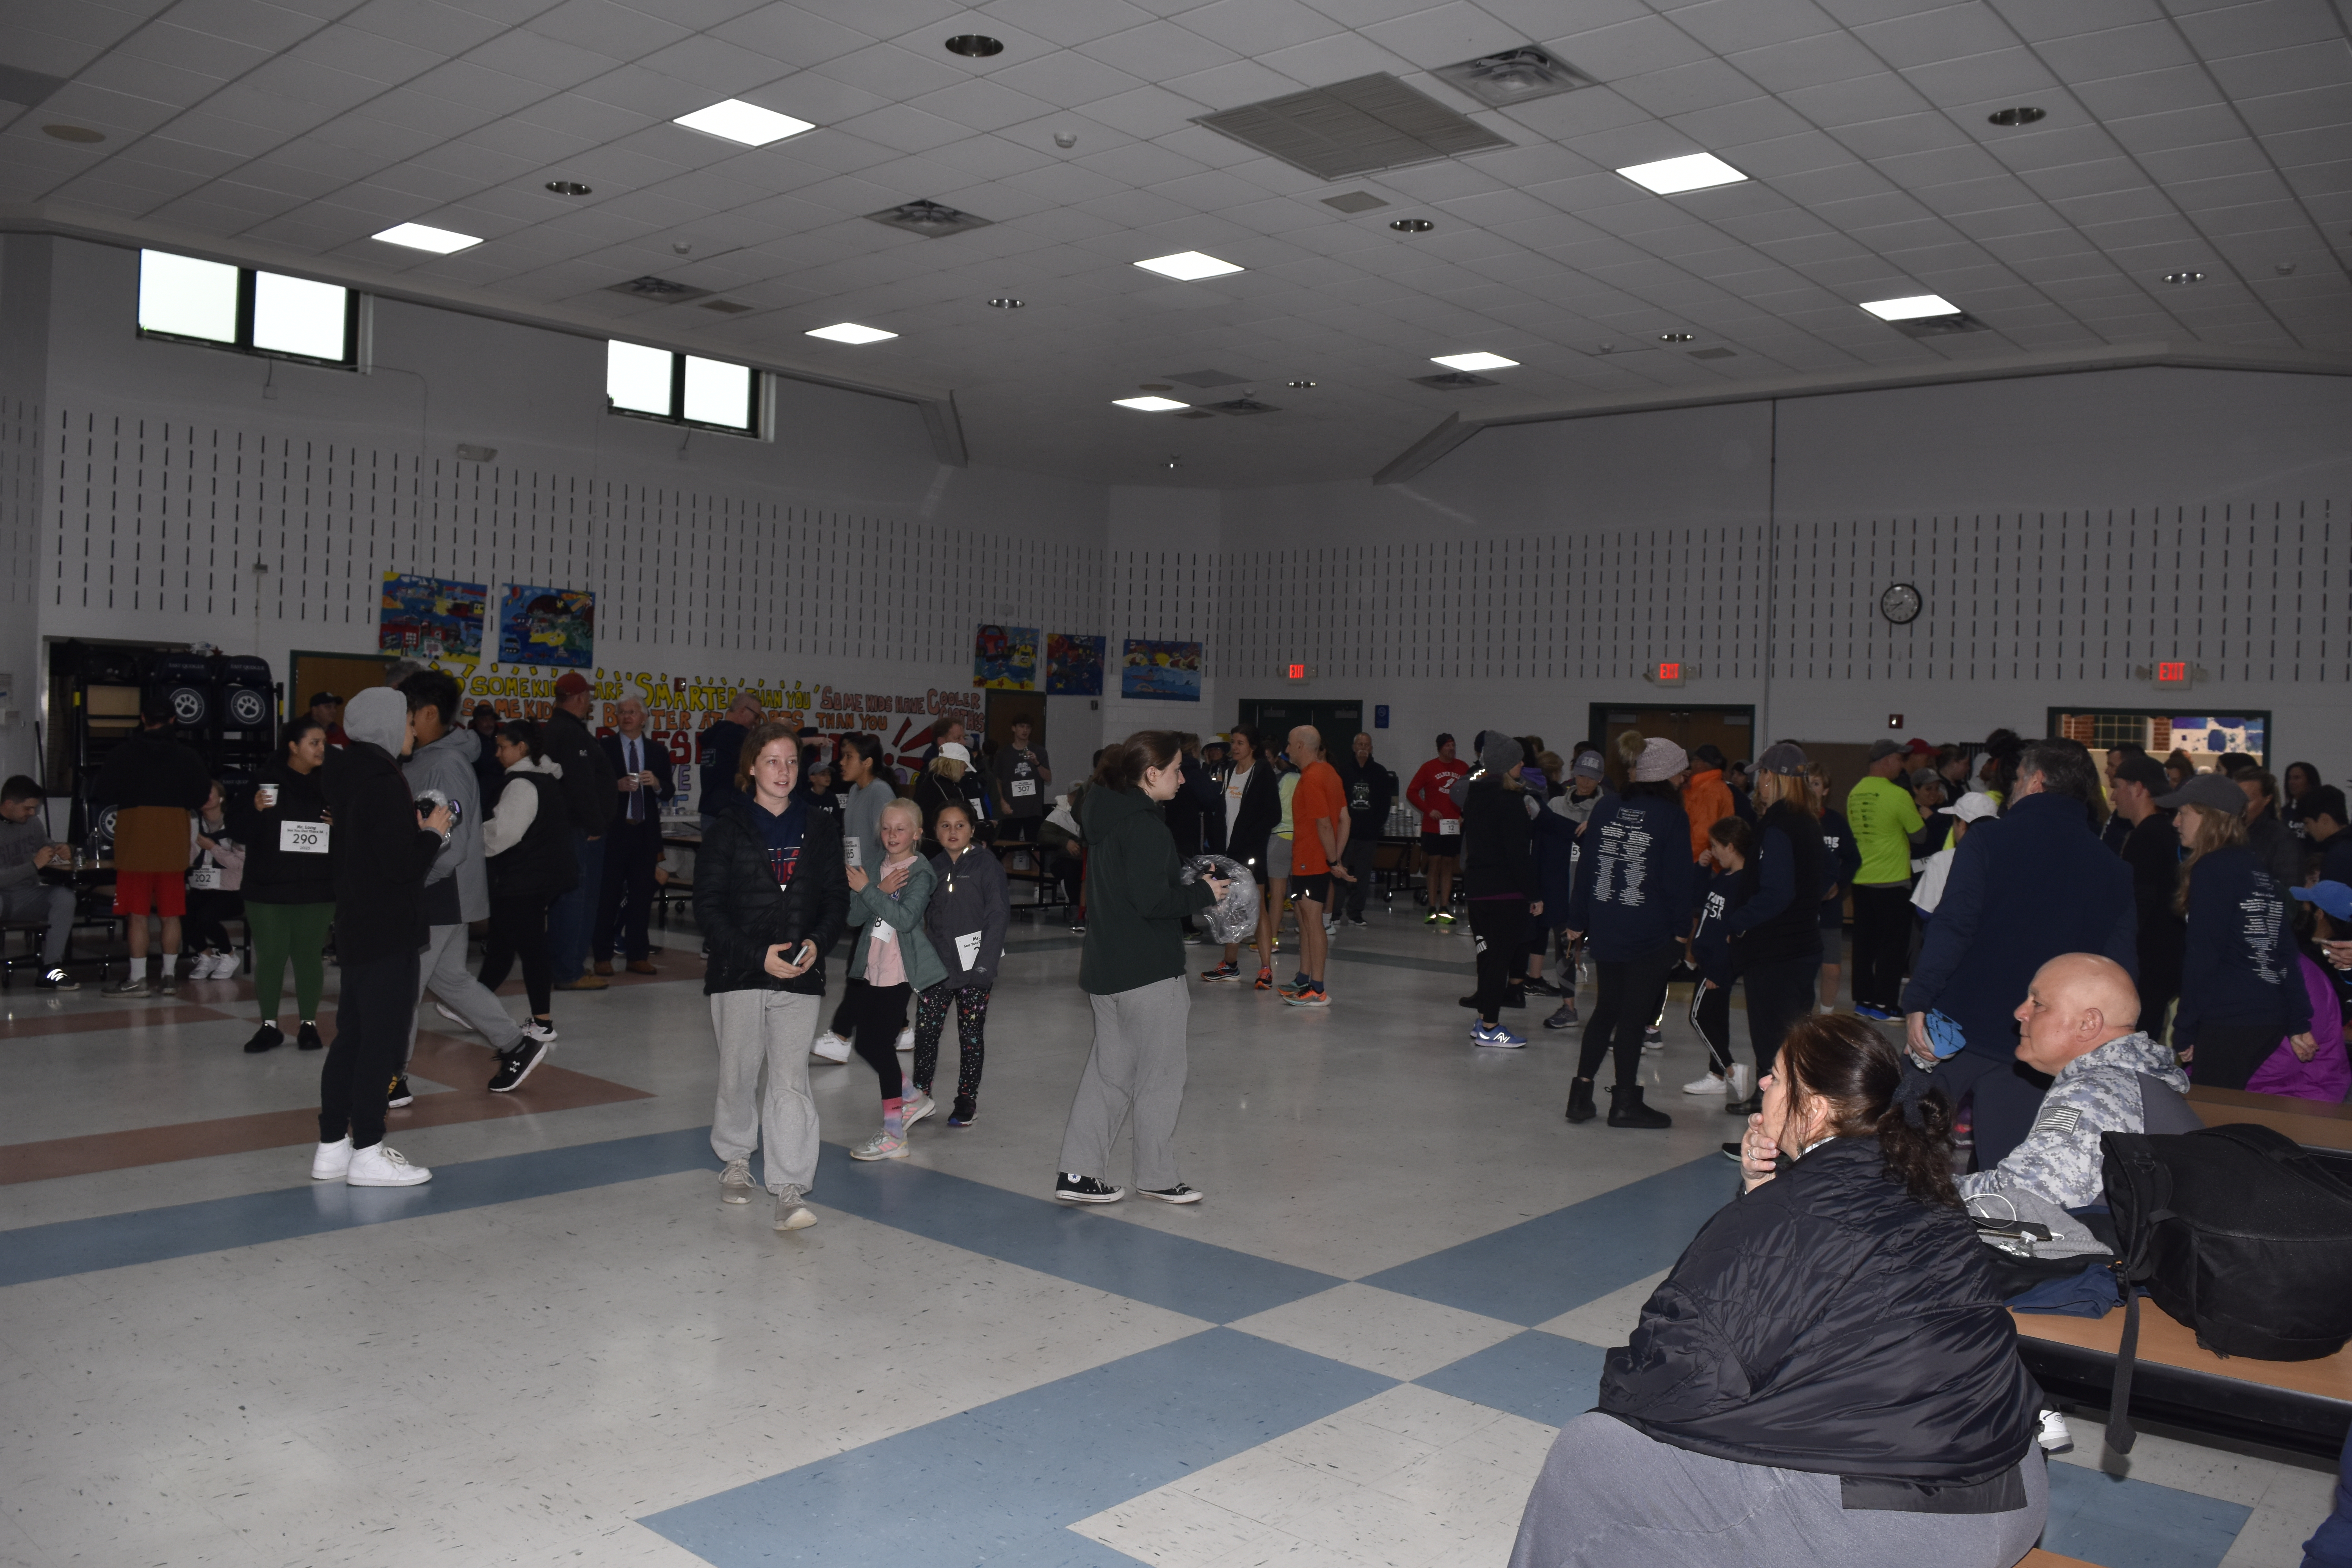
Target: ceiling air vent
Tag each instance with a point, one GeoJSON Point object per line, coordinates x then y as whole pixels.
{"type": "Point", "coordinates": [1205, 379]}
{"type": "Point", "coordinates": [1196, 413]}
{"type": "Point", "coordinates": [725, 307]}
{"type": "Point", "coordinates": [660, 289]}
{"type": "Point", "coordinates": [929, 219]}
{"type": "Point", "coordinates": [1353, 128]}
{"type": "Point", "coordinates": [1243, 405]}
{"type": "Point", "coordinates": [1453, 380]}
{"type": "Point", "coordinates": [1354, 202]}
{"type": "Point", "coordinates": [1940, 326]}
{"type": "Point", "coordinates": [1514, 75]}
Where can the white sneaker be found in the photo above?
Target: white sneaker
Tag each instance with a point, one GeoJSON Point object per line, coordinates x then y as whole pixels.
{"type": "Point", "coordinates": [1743, 1081]}
{"type": "Point", "coordinates": [913, 1108]}
{"type": "Point", "coordinates": [443, 1008]}
{"type": "Point", "coordinates": [378, 1165]}
{"type": "Point", "coordinates": [829, 1047]}
{"type": "Point", "coordinates": [791, 1212]}
{"type": "Point", "coordinates": [881, 1146]}
{"type": "Point", "coordinates": [1705, 1083]}
{"type": "Point", "coordinates": [907, 1039]}
{"type": "Point", "coordinates": [332, 1162]}
{"type": "Point", "coordinates": [735, 1183]}
{"type": "Point", "coordinates": [2054, 1437]}
{"type": "Point", "coordinates": [225, 966]}
{"type": "Point", "coordinates": [208, 967]}
{"type": "Point", "coordinates": [543, 1033]}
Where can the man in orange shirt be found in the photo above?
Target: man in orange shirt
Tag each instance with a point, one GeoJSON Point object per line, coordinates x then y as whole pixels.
{"type": "Point", "coordinates": [1707, 799]}
{"type": "Point", "coordinates": [1318, 817]}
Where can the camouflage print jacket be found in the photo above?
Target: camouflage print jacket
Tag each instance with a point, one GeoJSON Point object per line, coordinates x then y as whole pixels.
{"type": "Point", "coordinates": [2096, 1092]}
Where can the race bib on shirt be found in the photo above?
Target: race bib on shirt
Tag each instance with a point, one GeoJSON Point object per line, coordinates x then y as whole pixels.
{"type": "Point", "coordinates": [302, 838]}
{"type": "Point", "coordinates": [1024, 787]}
{"type": "Point", "coordinates": [206, 879]}
{"type": "Point", "coordinates": [968, 947]}
{"type": "Point", "coordinates": [883, 931]}
{"type": "Point", "coordinates": [1449, 827]}
{"type": "Point", "coordinates": [853, 853]}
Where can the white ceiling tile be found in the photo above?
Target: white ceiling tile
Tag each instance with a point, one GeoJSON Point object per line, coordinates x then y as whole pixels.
{"type": "Point", "coordinates": [791, 35]}
{"type": "Point", "coordinates": [2010, 74]}
{"type": "Point", "coordinates": [2317, 108]}
{"type": "Point", "coordinates": [1067, 23]}
{"type": "Point", "coordinates": [1230, 87]}
{"type": "Point", "coordinates": [2284, 70]}
{"type": "Point", "coordinates": [1808, 62]}
{"type": "Point", "coordinates": [2148, 92]}
{"type": "Point", "coordinates": [1068, 80]}
{"type": "Point", "coordinates": [903, 128]}
{"type": "Point", "coordinates": [1880, 140]}
{"type": "Point", "coordinates": [477, 86]}
{"type": "Point", "coordinates": [1144, 113]}
{"type": "Point", "coordinates": [443, 29]}
{"type": "Point", "coordinates": [2229, 30]}
{"type": "Point", "coordinates": [2117, 51]}
{"type": "Point", "coordinates": [1158, 49]}
{"type": "Point", "coordinates": [1442, 36]}
{"type": "Point", "coordinates": [1856, 101]}
{"type": "Point", "coordinates": [981, 104]}
{"type": "Point", "coordinates": [1736, 124]}
{"type": "Point", "coordinates": [205, 53]}
{"type": "Point", "coordinates": [888, 71]}
{"type": "Point", "coordinates": [1940, 33]}
{"type": "Point", "coordinates": [1728, 26]}
{"type": "Point", "coordinates": [1141, 163]}
{"type": "Point", "coordinates": [1343, 57]}
{"type": "Point", "coordinates": [1630, 48]}
{"type": "Point", "coordinates": [1684, 90]}
{"type": "Point", "coordinates": [989, 157]}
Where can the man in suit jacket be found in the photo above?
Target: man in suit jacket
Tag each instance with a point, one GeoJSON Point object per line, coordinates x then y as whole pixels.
{"type": "Point", "coordinates": [632, 843]}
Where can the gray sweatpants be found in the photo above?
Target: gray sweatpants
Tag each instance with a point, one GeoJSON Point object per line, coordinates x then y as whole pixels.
{"type": "Point", "coordinates": [1136, 1068]}
{"type": "Point", "coordinates": [770, 1031]}
{"type": "Point", "coordinates": [52, 905]}
{"type": "Point", "coordinates": [442, 971]}
{"type": "Point", "coordinates": [1610, 1496]}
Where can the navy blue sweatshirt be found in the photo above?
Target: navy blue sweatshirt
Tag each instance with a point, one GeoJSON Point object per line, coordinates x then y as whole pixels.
{"type": "Point", "coordinates": [1633, 886]}
{"type": "Point", "coordinates": [1845, 856]}
{"type": "Point", "coordinates": [2239, 969]}
{"type": "Point", "coordinates": [1785, 878]}
{"type": "Point", "coordinates": [1720, 894]}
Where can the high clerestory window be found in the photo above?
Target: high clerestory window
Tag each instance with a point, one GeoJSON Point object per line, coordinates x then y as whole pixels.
{"type": "Point", "coordinates": [183, 299]}
{"type": "Point", "coordinates": [682, 389]}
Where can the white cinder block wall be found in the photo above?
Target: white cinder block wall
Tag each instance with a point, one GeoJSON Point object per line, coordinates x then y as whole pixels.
{"type": "Point", "coordinates": [2062, 530]}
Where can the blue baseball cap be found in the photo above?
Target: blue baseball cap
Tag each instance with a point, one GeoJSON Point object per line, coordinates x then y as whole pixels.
{"type": "Point", "coordinates": [2332, 896]}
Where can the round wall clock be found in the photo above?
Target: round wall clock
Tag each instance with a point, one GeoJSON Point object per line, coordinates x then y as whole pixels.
{"type": "Point", "coordinates": [1901, 603]}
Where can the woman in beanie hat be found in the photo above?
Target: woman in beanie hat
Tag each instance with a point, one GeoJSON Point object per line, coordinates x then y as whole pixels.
{"type": "Point", "coordinates": [1776, 930]}
{"type": "Point", "coordinates": [1633, 901]}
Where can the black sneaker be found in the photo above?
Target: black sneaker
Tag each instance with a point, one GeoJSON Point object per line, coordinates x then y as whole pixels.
{"type": "Point", "coordinates": [398, 1095]}
{"type": "Point", "coordinates": [1515, 996]}
{"type": "Point", "coordinates": [1179, 1193]}
{"type": "Point", "coordinates": [966, 1112]}
{"type": "Point", "coordinates": [306, 1038]}
{"type": "Point", "coordinates": [1073, 1189]}
{"type": "Point", "coordinates": [515, 1065]}
{"type": "Point", "coordinates": [1358, 921]}
{"type": "Point", "coordinates": [56, 980]}
{"type": "Point", "coordinates": [1543, 987]}
{"type": "Point", "coordinates": [1564, 1016]}
{"type": "Point", "coordinates": [1731, 1152]}
{"type": "Point", "coordinates": [268, 1037]}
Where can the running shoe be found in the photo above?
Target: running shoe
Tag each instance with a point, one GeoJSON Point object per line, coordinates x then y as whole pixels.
{"type": "Point", "coordinates": [1705, 1083]}
{"type": "Point", "coordinates": [1446, 917]}
{"type": "Point", "coordinates": [881, 1146]}
{"type": "Point", "coordinates": [1265, 980]}
{"type": "Point", "coordinates": [1308, 997]}
{"type": "Point", "coordinates": [1875, 1014]}
{"type": "Point", "coordinates": [1654, 1039]}
{"type": "Point", "coordinates": [1497, 1036]}
{"type": "Point", "coordinates": [1564, 1016]}
{"type": "Point", "coordinates": [1222, 972]}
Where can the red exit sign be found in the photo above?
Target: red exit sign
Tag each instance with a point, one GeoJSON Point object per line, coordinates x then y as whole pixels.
{"type": "Point", "coordinates": [2172, 674]}
{"type": "Point", "coordinates": [1670, 672]}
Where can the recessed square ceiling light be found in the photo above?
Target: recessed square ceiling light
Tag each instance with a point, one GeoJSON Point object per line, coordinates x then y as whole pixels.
{"type": "Point", "coordinates": [850, 332]}
{"type": "Point", "coordinates": [1911, 308]}
{"type": "Point", "coordinates": [1473, 362]}
{"type": "Point", "coordinates": [1148, 405]}
{"type": "Point", "coordinates": [733, 120]}
{"type": "Point", "coordinates": [1673, 176]}
{"type": "Point", "coordinates": [425, 237]}
{"type": "Point", "coordinates": [1186, 265]}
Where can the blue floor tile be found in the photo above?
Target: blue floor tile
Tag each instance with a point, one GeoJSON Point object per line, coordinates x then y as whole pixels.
{"type": "Point", "coordinates": [1195, 1277]}
{"type": "Point", "coordinates": [2120, 1523]}
{"type": "Point", "coordinates": [998, 1483]}
{"type": "Point", "coordinates": [1541, 1376]}
{"type": "Point", "coordinates": [1533, 1271]}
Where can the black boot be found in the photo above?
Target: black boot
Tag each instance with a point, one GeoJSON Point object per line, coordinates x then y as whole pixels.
{"type": "Point", "coordinates": [1626, 1110]}
{"type": "Point", "coordinates": [1580, 1100]}
{"type": "Point", "coordinates": [1748, 1107]}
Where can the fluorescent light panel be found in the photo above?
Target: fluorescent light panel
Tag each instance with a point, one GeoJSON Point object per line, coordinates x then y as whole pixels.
{"type": "Point", "coordinates": [1673, 176]}
{"type": "Point", "coordinates": [1911, 308]}
{"type": "Point", "coordinates": [850, 332]}
{"type": "Point", "coordinates": [732, 119]}
{"type": "Point", "coordinates": [425, 237]}
{"type": "Point", "coordinates": [1149, 405]}
{"type": "Point", "coordinates": [1188, 265]}
{"type": "Point", "coordinates": [1481, 360]}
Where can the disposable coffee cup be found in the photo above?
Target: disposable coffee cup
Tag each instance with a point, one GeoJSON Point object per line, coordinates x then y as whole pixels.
{"type": "Point", "coordinates": [268, 793]}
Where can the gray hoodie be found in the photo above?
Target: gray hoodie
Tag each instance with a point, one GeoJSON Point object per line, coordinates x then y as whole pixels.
{"type": "Point", "coordinates": [2098, 1093]}
{"type": "Point", "coordinates": [447, 765]}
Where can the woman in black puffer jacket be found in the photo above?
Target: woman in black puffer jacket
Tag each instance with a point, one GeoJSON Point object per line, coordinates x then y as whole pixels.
{"type": "Point", "coordinates": [770, 896]}
{"type": "Point", "coordinates": [1826, 1377]}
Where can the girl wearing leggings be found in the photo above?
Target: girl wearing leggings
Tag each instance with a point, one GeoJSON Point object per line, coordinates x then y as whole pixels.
{"type": "Point", "coordinates": [1721, 873]}
{"type": "Point", "coordinates": [965, 921]}
{"type": "Point", "coordinates": [528, 838]}
{"type": "Point", "coordinates": [889, 956]}
{"type": "Point", "coordinates": [290, 880]}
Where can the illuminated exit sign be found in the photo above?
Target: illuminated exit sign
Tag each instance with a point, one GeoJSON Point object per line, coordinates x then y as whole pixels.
{"type": "Point", "coordinates": [2174, 673]}
{"type": "Point", "coordinates": [1297, 673]}
{"type": "Point", "coordinates": [1670, 672]}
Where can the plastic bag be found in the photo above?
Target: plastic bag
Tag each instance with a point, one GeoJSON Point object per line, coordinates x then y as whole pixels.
{"type": "Point", "coordinates": [1233, 917]}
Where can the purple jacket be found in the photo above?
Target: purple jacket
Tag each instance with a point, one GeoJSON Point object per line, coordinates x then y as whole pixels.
{"type": "Point", "coordinates": [2329, 1074]}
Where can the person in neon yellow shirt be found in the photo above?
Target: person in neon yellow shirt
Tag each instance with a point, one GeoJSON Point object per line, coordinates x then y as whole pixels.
{"type": "Point", "coordinates": [1883, 816]}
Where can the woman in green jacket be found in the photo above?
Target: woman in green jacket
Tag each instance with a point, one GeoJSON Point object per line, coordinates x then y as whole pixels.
{"type": "Point", "coordinates": [1132, 970]}
{"type": "Point", "coordinates": [889, 959]}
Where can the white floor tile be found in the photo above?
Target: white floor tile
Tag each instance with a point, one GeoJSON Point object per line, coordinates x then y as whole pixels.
{"type": "Point", "coordinates": [1380, 1331]}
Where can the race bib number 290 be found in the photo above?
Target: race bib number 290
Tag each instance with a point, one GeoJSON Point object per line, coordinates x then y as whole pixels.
{"type": "Point", "coordinates": [302, 838]}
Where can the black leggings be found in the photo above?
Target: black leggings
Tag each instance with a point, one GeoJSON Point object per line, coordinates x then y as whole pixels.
{"type": "Point", "coordinates": [1779, 995]}
{"type": "Point", "coordinates": [876, 1014]}
{"type": "Point", "coordinates": [519, 931]}
{"type": "Point", "coordinates": [372, 1016]}
{"type": "Point", "coordinates": [1711, 1015]}
{"type": "Point", "coordinates": [1627, 997]}
{"type": "Point", "coordinates": [1498, 927]}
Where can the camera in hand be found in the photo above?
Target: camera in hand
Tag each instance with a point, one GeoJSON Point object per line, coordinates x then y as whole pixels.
{"type": "Point", "coordinates": [433, 800]}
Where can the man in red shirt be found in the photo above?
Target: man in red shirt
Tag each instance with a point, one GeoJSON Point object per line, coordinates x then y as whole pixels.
{"type": "Point", "coordinates": [1318, 820]}
{"type": "Point", "coordinates": [1441, 827]}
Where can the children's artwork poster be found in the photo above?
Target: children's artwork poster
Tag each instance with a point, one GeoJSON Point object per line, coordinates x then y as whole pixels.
{"type": "Point", "coordinates": [1074, 665]}
{"type": "Point", "coordinates": [547, 625]}
{"type": "Point", "coordinates": [1161, 672]}
{"type": "Point", "coordinates": [2207, 736]}
{"type": "Point", "coordinates": [1004, 658]}
{"type": "Point", "coordinates": [427, 617]}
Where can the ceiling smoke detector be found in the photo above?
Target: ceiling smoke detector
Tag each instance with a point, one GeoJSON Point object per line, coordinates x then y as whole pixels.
{"type": "Point", "coordinates": [1353, 127]}
{"type": "Point", "coordinates": [661, 289]}
{"type": "Point", "coordinates": [1514, 75]}
{"type": "Point", "coordinates": [975, 45]}
{"type": "Point", "coordinates": [2023, 114]}
{"type": "Point", "coordinates": [933, 220]}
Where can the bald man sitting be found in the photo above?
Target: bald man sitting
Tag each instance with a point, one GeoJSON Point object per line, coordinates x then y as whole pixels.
{"type": "Point", "coordinates": [2080, 1022]}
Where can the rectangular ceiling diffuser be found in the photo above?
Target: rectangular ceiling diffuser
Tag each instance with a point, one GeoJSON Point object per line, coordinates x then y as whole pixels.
{"type": "Point", "coordinates": [1354, 127]}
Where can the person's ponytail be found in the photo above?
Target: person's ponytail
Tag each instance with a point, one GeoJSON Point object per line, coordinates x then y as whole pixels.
{"type": "Point", "coordinates": [1123, 763]}
{"type": "Point", "coordinates": [1875, 1090]}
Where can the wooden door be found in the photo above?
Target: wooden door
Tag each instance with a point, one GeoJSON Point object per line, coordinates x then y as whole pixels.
{"type": "Point", "coordinates": [345, 674]}
{"type": "Point", "coordinates": [1007, 707]}
{"type": "Point", "coordinates": [1731, 730]}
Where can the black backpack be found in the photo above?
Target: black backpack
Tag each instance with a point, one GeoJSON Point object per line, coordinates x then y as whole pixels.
{"type": "Point", "coordinates": [2241, 1235]}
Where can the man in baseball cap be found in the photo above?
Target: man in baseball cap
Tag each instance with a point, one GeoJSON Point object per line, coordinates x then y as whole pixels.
{"type": "Point", "coordinates": [328, 709]}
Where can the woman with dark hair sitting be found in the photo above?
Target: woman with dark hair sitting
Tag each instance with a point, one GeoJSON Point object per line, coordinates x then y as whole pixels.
{"type": "Point", "coordinates": [1826, 1376]}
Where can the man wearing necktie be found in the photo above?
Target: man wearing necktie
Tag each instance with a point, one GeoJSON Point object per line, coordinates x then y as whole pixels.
{"type": "Point", "coordinates": [632, 843]}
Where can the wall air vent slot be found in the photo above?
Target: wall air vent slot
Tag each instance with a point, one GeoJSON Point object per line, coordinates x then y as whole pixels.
{"type": "Point", "coordinates": [1354, 127]}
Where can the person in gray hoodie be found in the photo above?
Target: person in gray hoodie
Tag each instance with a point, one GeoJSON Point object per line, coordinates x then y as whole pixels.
{"type": "Point", "coordinates": [458, 889]}
{"type": "Point", "coordinates": [965, 919]}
